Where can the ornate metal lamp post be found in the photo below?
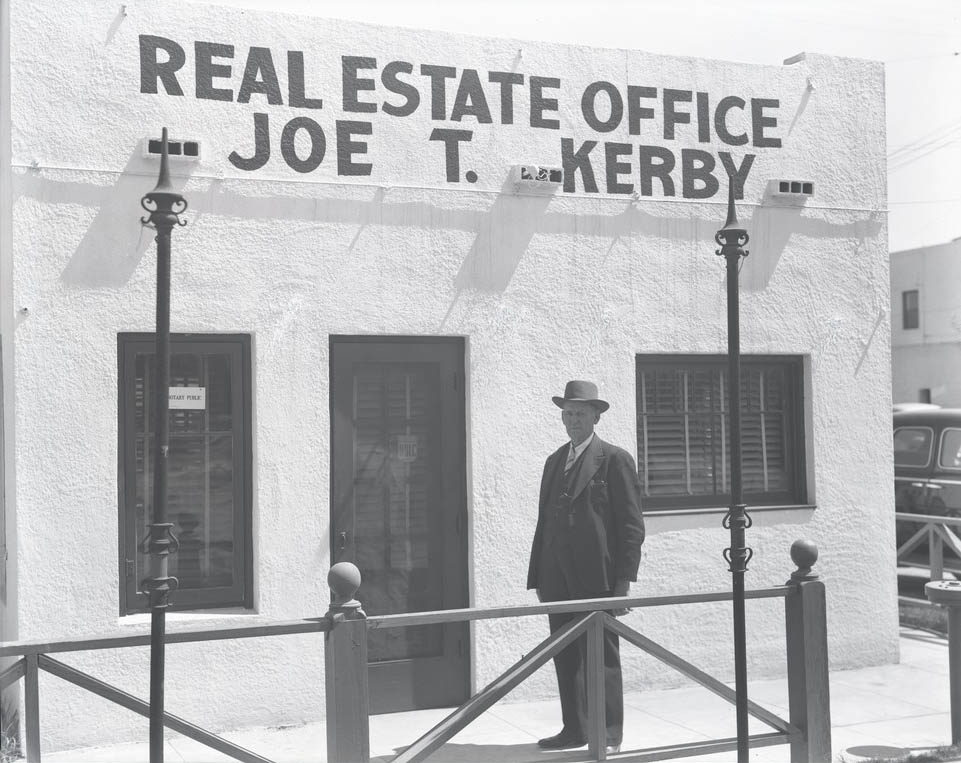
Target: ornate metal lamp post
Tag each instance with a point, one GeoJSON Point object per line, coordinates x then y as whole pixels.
{"type": "Point", "coordinates": [731, 238]}
{"type": "Point", "coordinates": [164, 207]}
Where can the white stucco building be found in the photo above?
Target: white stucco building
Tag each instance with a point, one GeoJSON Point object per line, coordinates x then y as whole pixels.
{"type": "Point", "coordinates": [926, 324]}
{"type": "Point", "coordinates": [374, 310]}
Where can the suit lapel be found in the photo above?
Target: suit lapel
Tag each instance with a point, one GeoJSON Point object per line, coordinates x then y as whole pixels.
{"type": "Point", "coordinates": [555, 464]}
{"type": "Point", "coordinates": [590, 462]}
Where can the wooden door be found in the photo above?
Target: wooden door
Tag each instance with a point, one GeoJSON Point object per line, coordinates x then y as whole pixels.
{"type": "Point", "coordinates": [399, 507]}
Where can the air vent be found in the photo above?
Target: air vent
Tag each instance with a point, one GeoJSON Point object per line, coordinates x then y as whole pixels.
{"type": "Point", "coordinates": [188, 150]}
{"type": "Point", "coordinates": [794, 187]}
{"type": "Point", "coordinates": [537, 174]}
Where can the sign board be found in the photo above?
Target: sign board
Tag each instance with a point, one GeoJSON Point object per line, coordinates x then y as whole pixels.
{"type": "Point", "coordinates": [189, 398]}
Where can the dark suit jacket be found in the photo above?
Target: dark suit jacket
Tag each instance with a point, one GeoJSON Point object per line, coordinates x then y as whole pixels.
{"type": "Point", "coordinates": [608, 527]}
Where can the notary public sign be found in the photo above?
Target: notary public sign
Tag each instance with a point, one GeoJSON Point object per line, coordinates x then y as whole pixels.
{"type": "Point", "coordinates": [629, 138]}
{"type": "Point", "coordinates": [187, 398]}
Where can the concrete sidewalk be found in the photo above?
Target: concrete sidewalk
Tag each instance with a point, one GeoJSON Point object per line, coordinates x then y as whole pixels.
{"type": "Point", "coordinates": [905, 705]}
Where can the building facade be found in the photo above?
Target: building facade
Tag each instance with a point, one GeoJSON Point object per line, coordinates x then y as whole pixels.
{"type": "Point", "coordinates": [926, 325]}
{"type": "Point", "coordinates": [399, 245]}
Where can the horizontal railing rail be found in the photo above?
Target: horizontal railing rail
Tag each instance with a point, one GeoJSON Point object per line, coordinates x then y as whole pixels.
{"type": "Point", "coordinates": [345, 628]}
{"type": "Point", "coordinates": [282, 628]}
{"type": "Point", "coordinates": [409, 619]}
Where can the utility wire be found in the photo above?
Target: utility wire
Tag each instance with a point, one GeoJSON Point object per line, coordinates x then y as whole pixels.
{"type": "Point", "coordinates": [936, 134]}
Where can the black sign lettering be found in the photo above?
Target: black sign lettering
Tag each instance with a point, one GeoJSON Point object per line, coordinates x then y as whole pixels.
{"type": "Point", "coordinates": [295, 83]}
{"type": "Point", "coordinates": [438, 88]}
{"type": "Point", "coordinates": [470, 100]}
{"type": "Point", "coordinates": [452, 140]}
{"type": "Point", "coordinates": [578, 161]}
{"type": "Point", "coordinates": [207, 71]}
{"type": "Point", "coordinates": [655, 162]}
{"type": "Point", "coordinates": [507, 81]}
{"type": "Point", "coordinates": [612, 151]}
{"type": "Point", "coordinates": [720, 120]}
{"type": "Point", "coordinates": [672, 116]}
{"type": "Point", "coordinates": [346, 148]}
{"type": "Point", "coordinates": [261, 147]}
{"type": "Point", "coordinates": [152, 70]}
{"type": "Point", "coordinates": [540, 103]}
{"type": "Point", "coordinates": [354, 84]}
{"type": "Point", "coordinates": [589, 106]}
{"type": "Point", "coordinates": [318, 144]}
{"type": "Point", "coordinates": [260, 76]}
{"type": "Point", "coordinates": [398, 86]}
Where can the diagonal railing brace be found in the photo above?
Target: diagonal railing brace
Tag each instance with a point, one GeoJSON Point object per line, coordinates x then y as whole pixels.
{"type": "Point", "coordinates": [105, 690]}
{"type": "Point", "coordinates": [495, 691]}
{"type": "Point", "coordinates": [696, 674]}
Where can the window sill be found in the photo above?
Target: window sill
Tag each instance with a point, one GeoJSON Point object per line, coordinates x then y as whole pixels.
{"type": "Point", "coordinates": [196, 619]}
{"type": "Point", "coordinates": [664, 520]}
{"type": "Point", "coordinates": [723, 510]}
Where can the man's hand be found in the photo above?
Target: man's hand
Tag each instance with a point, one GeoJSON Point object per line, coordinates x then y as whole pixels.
{"type": "Point", "coordinates": [621, 588]}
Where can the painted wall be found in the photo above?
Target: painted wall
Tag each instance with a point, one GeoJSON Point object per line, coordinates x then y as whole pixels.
{"type": "Point", "coordinates": [928, 357]}
{"type": "Point", "coordinates": [391, 235]}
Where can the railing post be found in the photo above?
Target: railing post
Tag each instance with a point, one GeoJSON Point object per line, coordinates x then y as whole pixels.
{"type": "Point", "coordinates": [31, 709]}
{"type": "Point", "coordinates": [947, 593]}
{"type": "Point", "coordinates": [935, 553]}
{"type": "Point", "coordinates": [345, 657]}
{"type": "Point", "coordinates": [807, 658]}
{"type": "Point", "coordinates": [596, 711]}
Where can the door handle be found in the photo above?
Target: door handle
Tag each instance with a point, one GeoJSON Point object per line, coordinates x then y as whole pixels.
{"type": "Point", "coordinates": [343, 540]}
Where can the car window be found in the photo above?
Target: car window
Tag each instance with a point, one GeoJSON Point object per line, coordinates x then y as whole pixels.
{"type": "Point", "coordinates": [950, 449]}
{"type": "Point", "coordinates": [912, 446]}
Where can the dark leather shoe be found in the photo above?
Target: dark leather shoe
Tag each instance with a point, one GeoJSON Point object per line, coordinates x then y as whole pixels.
{"type": "Point", "coordinates": [562, 741]}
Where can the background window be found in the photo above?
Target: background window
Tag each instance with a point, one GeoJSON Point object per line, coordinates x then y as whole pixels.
{"type": "Point", "coordinates": [209, 469]}
{"type": "Point", "coordinates": [683, 430]}
{"type": "Point", "coordinates": [909, 309]}
{"type": "Point", "coordinates": [951, 449]}
{"type": "Point", "coordinates": [912, 446]}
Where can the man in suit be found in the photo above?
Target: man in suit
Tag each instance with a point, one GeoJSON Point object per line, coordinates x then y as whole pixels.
{"type": "Point", "coordinates": [587, 545]}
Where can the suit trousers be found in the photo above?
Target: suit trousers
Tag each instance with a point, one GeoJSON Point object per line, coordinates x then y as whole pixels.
{"type": "Point", "coordinates": [571, 663]}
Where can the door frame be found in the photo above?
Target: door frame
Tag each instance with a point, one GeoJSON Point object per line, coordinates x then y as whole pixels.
{"type": "Point", "coordinates": [454, 482]}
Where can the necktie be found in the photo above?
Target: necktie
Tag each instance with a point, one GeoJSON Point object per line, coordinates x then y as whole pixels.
{"type": "Point", "coordinates": [570, 459]}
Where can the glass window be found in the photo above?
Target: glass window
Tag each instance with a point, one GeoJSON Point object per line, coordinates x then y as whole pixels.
{"type": "Point", "coordinates": [208, 468]}
{"type": "Point", "coordinates": [950, 449]}
{"type": "Point", "coordinates": [683, 431]}
{"type": "Point", "coordinates": [909, 309]}
{"type": "Point", "coordinates": [912, 446]}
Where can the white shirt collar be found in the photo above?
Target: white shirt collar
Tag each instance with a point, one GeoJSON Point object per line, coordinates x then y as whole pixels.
{"type": "Point", "coordinates": [578, 449]}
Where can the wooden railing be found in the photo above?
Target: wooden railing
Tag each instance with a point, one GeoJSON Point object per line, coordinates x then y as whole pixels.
{"type": "Point", "coordinates": [937, 532]}
{"type": "Point", "coordinates": [35, 656]}
{"type": "Point", "coordinates": [807, 730]}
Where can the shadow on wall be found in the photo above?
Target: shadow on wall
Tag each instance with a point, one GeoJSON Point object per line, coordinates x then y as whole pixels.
{"type": "Point", "coordinates": [777, 219]}
{"type": "Point", "coordinates": [115, 242]}
{"type": "Point", "coordinates": [502, 238]}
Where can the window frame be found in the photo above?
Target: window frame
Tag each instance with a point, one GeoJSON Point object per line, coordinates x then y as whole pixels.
{"type": "Point", "coordinates": [943, 451]}
{"type": "Point", "coordinates": [795, 430]}
{"type": "Point", "coordinates": [910, 316]}
{"type": "Point", "coordinates": [238, 347]}
{"type": "Point", "coordinates": [931, 442]}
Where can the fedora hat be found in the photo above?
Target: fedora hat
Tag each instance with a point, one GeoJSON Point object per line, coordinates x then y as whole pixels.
{"type": "Point", "coordinates": [581, 392]}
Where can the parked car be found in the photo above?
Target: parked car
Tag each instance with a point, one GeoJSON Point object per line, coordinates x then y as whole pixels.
{"type": "Point", "coordinates": [927, 465]}
{"type": "Point", "coordinates": [915, 406]}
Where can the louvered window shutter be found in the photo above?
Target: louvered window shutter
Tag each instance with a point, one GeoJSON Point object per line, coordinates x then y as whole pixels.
{"type": "Point", "coordinates": [684, 429]}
